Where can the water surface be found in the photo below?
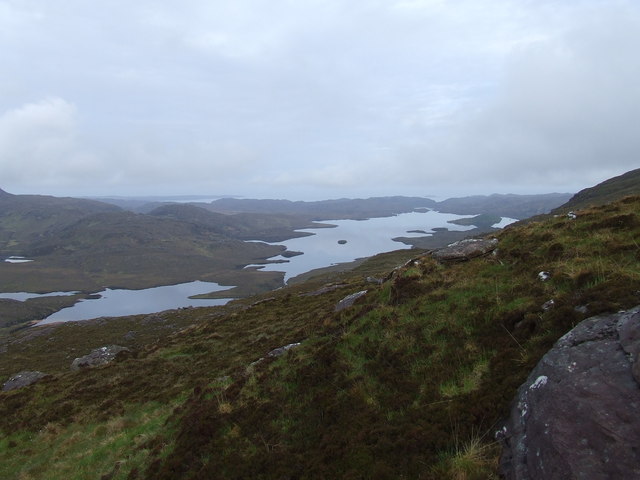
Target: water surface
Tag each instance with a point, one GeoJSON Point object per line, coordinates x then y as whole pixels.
{"type": "Point", "coordinates": [118, 303]}
{"type": "Point", "coordinates": [363, 239]}
{"type": "Point", "coordinates": [22, 296]}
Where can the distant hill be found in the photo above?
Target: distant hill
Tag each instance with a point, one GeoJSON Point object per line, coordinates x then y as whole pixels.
{"type": "Point", "coordinates": [513, 206]}
{"type": "Point", "coordinates": [243, 226]}
{"type": "Point", "coordinates": [509, 205]}
{"type": "Point", "coordinates": [27, 218]}
{"type": "Point", "coordinates": [605, 192]}
{"type": "Point", "coordinates": [410, 381]}
{"type": "Point", "coordinates": [343, 208]}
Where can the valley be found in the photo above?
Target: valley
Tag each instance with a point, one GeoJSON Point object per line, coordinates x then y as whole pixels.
{"type": "Point", "coordinates": [411, 378]}
{"type": "Point", "coordinates": [86, 245]}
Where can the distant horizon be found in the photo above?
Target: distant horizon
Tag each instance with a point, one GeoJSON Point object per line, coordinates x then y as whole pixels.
{"type": "Point", "coordinates": [186, 198]}
{"type": "Point", "coordinates": [317, 100]}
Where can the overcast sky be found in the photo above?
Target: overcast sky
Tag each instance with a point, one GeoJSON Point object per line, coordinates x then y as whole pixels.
{"type": "Point", "coordinates": [311, 99]}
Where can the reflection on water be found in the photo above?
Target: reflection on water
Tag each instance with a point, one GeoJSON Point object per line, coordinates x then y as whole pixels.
{"type": "Point", "coordinates": [363, 239]}
{"type": "Point", "coordinates": [116, 303]}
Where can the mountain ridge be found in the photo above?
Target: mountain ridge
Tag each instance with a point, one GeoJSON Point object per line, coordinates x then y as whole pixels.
{"type": "Point", "coordinates": [609, 190]}
{"type": "Point", "coordinates": [409, 381]}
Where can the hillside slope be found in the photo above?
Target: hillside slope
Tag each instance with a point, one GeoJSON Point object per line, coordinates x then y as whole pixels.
{"type": "Point", "coordinates": [503, 205]}
{"type": "Point", "coordinates": [267, 227]}
{"type": "Point", "coordinates": [607, 191]}
{"type": "Point", "coordinates": [28, 218]}
{"type": "Point", "coordinates": [409, 382]}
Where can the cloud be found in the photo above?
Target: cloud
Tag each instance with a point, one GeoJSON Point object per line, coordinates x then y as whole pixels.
{"type": "Point", "coordinates": [38, 145]}
{"type": "Point", "coordinates": [398, 96]}
{"type": "Point", "coordinates": [566, 112]}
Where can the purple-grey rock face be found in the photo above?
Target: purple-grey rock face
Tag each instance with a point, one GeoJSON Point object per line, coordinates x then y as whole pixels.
{"type": "Point", "coordinates": [465, 249]}
{"type": "Point", "coordinates": [576, 416]}
{"type": "Point", "coordinates": [99, 356]}
{"type": "Point", "coordinates": [22, 379]}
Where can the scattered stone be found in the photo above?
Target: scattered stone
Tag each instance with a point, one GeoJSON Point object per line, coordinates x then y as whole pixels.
{"type": "Point", "coordinates": [130, 335]}
{"type": "Point", "coordinates": [412, 262]}
{"type": "Point", "coordinates": [252, 365]}
{"type": "Point", "coordinates": [282, 350]}
{"type": "Point", "coordinates": [323, 290]}
{"type": "Point", "coordinates": [548, 305]}
{"type": "Point", "coordinates": [98, 356]}
{"type": "Point", "coordinates": [153, 318]}
{"type": "Point", "coordinates": [22, 379]}
{"type": "Point", "coordinates": [264, 300]}
{"type": "Point", "coordinates": [572, 216]}
{"type": "Point", "coordinates": [375, 280]}
{"type": "Point", "coordinates": [465, 249]}
{"type": "Point", "coordinates": [544, 276]}
{"type": "Point", "coordinates": [576, 415]}
{"type": "Point", "coordinates": [582, 309]}
{"type": "Point", "coordinates": [349, 300]}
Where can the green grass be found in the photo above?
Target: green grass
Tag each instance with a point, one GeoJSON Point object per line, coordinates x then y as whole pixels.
{"type": "Point", "coordinates": [372, 392]}
{"type": "Point", "coordinates": [79, 451]}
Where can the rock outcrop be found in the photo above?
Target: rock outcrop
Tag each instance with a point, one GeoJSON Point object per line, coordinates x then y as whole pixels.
{"type": "Point", "coordinates": [349, 300]}
{"type": "Point", "coordinates": [465, 249]}
{"type": "Point", "coordinates": [22, 379]}
{"type": "Point", "coordinates": [277, 352]}
{"type": "Point", "coordinates": [576, 416]}
{"type": "Point", "coordinates": [98, 356]}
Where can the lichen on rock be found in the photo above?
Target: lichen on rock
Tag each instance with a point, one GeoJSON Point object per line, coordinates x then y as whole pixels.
{"type": "Point", "coordinates": [576, 415]}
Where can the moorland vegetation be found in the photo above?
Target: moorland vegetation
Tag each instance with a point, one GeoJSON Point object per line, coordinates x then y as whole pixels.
{"type": "Point", "coordinates": [409, 382]}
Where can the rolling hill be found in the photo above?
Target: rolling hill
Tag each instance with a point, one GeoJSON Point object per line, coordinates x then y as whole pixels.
{"type": "Point", "coordinates": [409, 381]}
{"type": "Point", "coordinates": [607, 191]}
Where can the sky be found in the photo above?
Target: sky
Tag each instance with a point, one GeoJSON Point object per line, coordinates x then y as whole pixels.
{"type": "Point", "coordinates": [313, 99]}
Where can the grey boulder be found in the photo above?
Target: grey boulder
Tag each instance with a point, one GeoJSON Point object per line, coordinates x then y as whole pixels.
{"type": "Point", "coordinates": [22, 379]}
{"type": "Point", "coordinates": [465, 249]}
{"type": "Point", "coordinates": [576, 416]}
{"type": "Point", "coordinates": [98, 356]}
{"type": "Point", "coordinates": [349, 300]}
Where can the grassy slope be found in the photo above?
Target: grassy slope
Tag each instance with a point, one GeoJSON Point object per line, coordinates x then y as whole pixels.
{"type": "Point", "coordinates": [408, 383]}
{"type": "Point", "coordinates": [79, 249]}
{"type": "Point", "coordinates": [27, 218]}
{"type": "Point", "coordinates": [243, 226]}
{"type": "Point", "coordinates": [509, 205]}
{"type": "Point", "coordinates": [77, 244]}
{"type": "Point", "coordinates": [607, 191]}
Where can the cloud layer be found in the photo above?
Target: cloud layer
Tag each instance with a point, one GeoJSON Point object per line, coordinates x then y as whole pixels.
{"type": "Point", "coordinates": [319, 98]}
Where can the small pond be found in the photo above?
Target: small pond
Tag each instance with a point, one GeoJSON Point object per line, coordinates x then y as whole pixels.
{"type": "Point", "coordinates": [117, 303]}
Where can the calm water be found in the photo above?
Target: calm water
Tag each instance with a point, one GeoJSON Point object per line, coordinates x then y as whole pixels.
{"type": "Point", "coordinates": [117, 303]}
{"type": "Point", "coordinates": [364, 238]}
{"type": "Point", "coordinates": [22, 296]}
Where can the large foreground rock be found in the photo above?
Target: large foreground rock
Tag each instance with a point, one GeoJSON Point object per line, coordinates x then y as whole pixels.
{"type": "Point", "coordinates": [577, 415]}
{"type": "Point", "coordinates": [465, 249]}
{"type": "Point", "coordinates": [22, 379]}
{"type": "Point", "coordinates": [99, 356]}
